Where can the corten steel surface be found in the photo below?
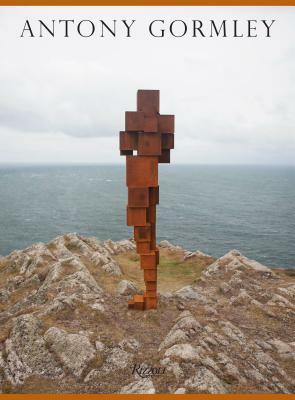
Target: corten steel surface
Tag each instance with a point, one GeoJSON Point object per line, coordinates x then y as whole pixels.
{"type": "Point", "coordinates": [151, 135]}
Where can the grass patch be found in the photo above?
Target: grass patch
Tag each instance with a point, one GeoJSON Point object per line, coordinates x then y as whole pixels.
{"type": "Point", "coordinates": [7, 271]}
{"type": "Point", "coordinates": [173, 272]}
{"type": "Point", "coordinates": [4, 262]}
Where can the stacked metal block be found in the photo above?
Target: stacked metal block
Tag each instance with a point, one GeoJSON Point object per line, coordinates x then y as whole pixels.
{"type": "Point", "coordinates": [151, 135]}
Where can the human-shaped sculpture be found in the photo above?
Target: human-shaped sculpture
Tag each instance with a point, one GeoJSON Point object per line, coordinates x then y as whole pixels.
{"type": "Point", "coordinates": [152, 136]}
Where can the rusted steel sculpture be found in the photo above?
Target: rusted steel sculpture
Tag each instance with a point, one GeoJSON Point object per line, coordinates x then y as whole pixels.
{"type": "Point", "coordinates": [152, 136]}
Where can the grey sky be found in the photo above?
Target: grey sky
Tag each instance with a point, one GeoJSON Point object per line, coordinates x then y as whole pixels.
{"type": "Point", "coordinates": [63, 100]}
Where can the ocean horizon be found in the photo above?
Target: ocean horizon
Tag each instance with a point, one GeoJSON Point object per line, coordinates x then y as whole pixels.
{"type": "Point", "coordinates": [211, 208]}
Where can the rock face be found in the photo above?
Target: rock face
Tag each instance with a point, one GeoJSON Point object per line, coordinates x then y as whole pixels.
{"type": "Point", "coordinates": [204, 381]}
{"type": "Point", "coordinates": [126, 288]}
{"type": "Point", "coordinates": [167, 245]}
{"type": "Point", "coordinates": [26, 352]}
{"type": "Point", "coordinates": [235, 260]}
{"type": "Point", "coordinates": [64, 323]}
{"type": "Point", "coordinates": [74, 351]}
{"type": "Point", "coordinates": [145, 386]}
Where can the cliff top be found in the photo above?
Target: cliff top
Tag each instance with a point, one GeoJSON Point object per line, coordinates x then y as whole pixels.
{"type": "Point", "coordinates": [222, 326]}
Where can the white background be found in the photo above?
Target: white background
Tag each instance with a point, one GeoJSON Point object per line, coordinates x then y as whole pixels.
{"type": "Point", "coordinates": [62, 100]}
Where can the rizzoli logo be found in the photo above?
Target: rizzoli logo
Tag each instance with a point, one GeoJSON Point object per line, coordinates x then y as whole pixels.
{"type": "Point", "coordinates": [144, 371]}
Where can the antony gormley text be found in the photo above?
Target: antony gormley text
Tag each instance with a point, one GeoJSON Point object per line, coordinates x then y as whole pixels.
{"type": "Point", "coordinates": [151, 136]}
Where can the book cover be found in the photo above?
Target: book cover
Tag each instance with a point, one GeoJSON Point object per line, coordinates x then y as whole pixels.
{"type": "Point", "coordinates": [147, 199]}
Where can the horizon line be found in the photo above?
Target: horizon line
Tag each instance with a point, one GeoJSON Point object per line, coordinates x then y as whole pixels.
{"type": "Point", "coordinates": [88, 164]}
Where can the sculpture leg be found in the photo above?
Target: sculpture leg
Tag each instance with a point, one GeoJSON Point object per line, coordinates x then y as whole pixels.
{"type": "Point", "coordinates": [151, 278]}
{"type": "Point", "coordinates": [145, 238]}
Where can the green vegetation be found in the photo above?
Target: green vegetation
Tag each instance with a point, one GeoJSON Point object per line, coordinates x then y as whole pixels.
{"type": "Point", "coordinates": [173, 271]}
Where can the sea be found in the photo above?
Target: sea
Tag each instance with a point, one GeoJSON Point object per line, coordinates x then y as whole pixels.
{"type": "Point", "coordinates": [213, 209]}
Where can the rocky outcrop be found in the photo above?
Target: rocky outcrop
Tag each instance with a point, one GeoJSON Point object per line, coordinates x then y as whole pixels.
{"type": "Point", "coordinates": [74, 351]}
{"type": "Point", "coordinates": [145, 386]}
{"type": "Point", "coordinates": [64, 322]}
{"type": "Point", "coordinates": [169, 246]}
{"type": "Point", "coordinates": [192, 293]}
{"type": "Point", "coordinates": [126, 288]}
{"type": "Point", "coordinates": [204, 381]}
{"type": "Point", "coordinates": [185, 327]}
{"type": "Point", "coordinates": [26, 353]}
{"type": "Point", "coordinates": [234, 260]}
{"type": "Point", "coordinates": [196, 256]}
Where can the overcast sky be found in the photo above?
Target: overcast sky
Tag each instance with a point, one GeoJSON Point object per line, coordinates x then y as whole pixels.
{"type": "Point", "coordinates": [62, 100]}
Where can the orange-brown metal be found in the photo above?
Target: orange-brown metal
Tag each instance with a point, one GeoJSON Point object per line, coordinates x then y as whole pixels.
{"type": "Point", "coordinates": [149, 144]}
{"type": "Point", "coordinates": [141, 171]}
{"type": "Point", "coordinates": [152, 136]}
